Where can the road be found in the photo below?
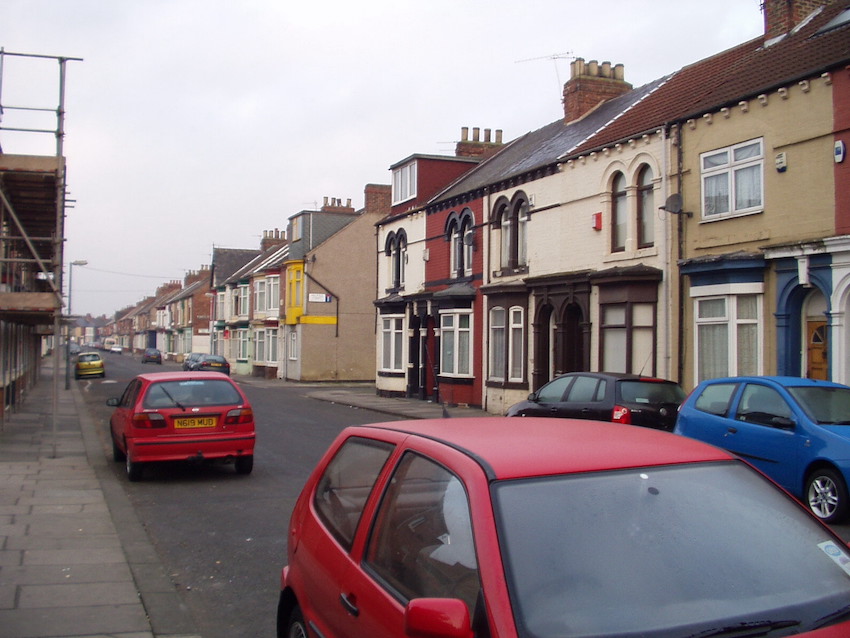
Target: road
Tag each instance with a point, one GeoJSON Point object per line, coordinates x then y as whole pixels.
{"type": "Point", "coordinates": [223, 536]}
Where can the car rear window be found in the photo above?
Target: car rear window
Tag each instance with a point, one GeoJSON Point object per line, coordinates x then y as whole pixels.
{"type": "Point", "coordinates": [89, 357]}
{"type": "Point", "coordinates": [214, 358]}
{"type": "Point", "coordinates": [202, 392]}
{"type": "Point", "coordinates": [650, 392]}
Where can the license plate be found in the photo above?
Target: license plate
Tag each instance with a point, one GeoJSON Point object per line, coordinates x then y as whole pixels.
{"type": "Point", "coordinates": [195, 422]}
{"type": "Point", "coordinates": [215, 365]}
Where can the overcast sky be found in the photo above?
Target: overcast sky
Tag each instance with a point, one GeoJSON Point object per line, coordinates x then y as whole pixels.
{"type": "Point", "coordinates": [200, 123]}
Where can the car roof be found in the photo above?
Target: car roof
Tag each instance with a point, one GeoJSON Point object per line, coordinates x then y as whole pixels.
{"type": "Point", "coordinates": [628, 376]}
{"type": "Point", "coordinates": [156, 377]}
{"type": "Point", "coordinates": [514, 447]}
{"type": "Point", "coordinates": [780, 380]}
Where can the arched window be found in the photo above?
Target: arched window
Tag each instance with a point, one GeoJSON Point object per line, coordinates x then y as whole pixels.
{"type": "Point", "coordinates": [459, 232]}
{"type": "Point", "coordinates": [396, 249]}
{"type": "Point", "coordinates": [619, 213]}
{"type": "Point", "coordinates": [646, 208]}
{"type": "Point", "coordinates": [511, 218]}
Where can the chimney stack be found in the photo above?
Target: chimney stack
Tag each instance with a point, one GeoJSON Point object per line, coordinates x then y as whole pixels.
{"type": "Point", "coordinates": [476, 147]}
{"type": "Point", "coordinates": [591, 84]}
{"type": "Point", "coordinates": [272, 238]}
{"type": "Point", "coordinates": [780, 16]}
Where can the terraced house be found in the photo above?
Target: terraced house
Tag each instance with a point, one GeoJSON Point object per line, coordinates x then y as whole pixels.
{"type": "Point", "coordinates": [688, 228]}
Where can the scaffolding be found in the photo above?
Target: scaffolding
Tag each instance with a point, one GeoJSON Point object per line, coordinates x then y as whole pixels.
{"type": "Point", "coordinates": [32, 236]}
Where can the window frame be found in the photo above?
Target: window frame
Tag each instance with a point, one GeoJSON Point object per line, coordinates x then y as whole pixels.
{"type": "Point", "coordinates": [507, 364]}
{"type": "Point", "coordinates": [730, 318]}
{"type": "Point", "coordinates": [392, 335]}
{"type": "Point", "coordinates": [731, 168]}
{"type": "Point", "coordinates": [645, 207]}
{"type": "Point", "coordinates": [461, 367]}
{"type": "Point", "coordinates": [510, 220]}
{"type": "Point", "coordinates": [619, 213]}
{"type": "Point", "coordinates": [404, 183]}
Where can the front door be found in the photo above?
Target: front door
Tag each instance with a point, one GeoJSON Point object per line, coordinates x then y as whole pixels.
{"type": "Point", "coordinates": [816, 350]}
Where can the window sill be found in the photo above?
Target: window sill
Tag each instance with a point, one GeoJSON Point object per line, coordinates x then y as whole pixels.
{"type": "Point", "coordinates": [717, 218]}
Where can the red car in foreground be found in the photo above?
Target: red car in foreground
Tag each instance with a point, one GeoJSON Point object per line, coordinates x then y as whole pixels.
{"type": "Point", "coordinates": [174, 416]}
{"type": "Point", "coordinates": [498, 527]}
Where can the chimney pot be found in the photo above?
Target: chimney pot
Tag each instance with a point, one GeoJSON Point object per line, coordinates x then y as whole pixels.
{"type": "Point", "coordinates": [593, 68]}
{"type": "Point", "coordinates": [498, 136]}
{"type": "Point", "coordinates": [464, 134]}
{"type": "Point", "coordinates": [475, 133]}
{"type": "Point", "coordinates": [606, 70]}
{"type": "Point", "coordinates": [348, 203]}
{"type": "Point", "coordinates": [326, 201]}
{"type": "Point", "coordinates": [487, 135]}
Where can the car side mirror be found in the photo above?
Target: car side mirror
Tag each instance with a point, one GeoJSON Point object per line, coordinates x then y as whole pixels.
{"type": "Point", "coordinates": [113, 402]}
{"type": "Point", "coordinates": [533, 397]}
{"type": "Point", "coordinates": [437, 618]}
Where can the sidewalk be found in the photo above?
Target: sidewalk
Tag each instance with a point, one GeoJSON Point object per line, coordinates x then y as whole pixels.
{"type": "Point", "coordinates": [74, 558]}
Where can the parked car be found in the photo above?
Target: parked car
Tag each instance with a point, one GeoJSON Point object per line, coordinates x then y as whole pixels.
{"type": "Point", "coordinates": [212, 363]}
{"type": "Point", "coordinates": [116, 349]}
{"type": "Point", "coordinates": [797, 431]}
{"type": "Point", "coordinates": [190, 359]}
{"type": "Point", "coordinates": [606, 396]}
{"type": "Point", "coordinates": [89, 364]}
{"type": "Point", "coordinates": [483, 528]}
{"type": "Point", "coordinates": [152, 355]}
{"type": "Point", "coordinates": [171, 416]}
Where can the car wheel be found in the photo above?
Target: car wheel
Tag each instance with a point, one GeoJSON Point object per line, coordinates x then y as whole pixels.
{"type": "Point", "coordinates": [826, 495]}
{"type": "Point", "coordinates": [134, 470]}
{"type": "Point", "coordinates": [244, 464]}
{"type": "Point", "coordinates": [117, 454]}
{"type": "Point", "coordinates": [296, 628]}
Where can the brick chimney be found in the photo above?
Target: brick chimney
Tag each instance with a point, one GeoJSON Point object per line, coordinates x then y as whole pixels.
{"type": "Point", "coordinates": [589, 85]}
{"type": "Point", "coordinates": [780, 16]}
{"type": "Point", "coordinates": [335, 205]}
{"type": "Point", "coordinates": [477, 147]}
{"type": "Point", "coordinates": [272, 238]}
{"type": "Point", "coordinates": [378, 199]}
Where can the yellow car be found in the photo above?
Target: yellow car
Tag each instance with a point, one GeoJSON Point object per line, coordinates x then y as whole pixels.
{"type": "Point", "coordinates": [89, 364]}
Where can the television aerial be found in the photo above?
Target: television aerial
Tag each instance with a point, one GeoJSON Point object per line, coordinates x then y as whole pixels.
{"type": "Point", "coordinates": [567, 55]}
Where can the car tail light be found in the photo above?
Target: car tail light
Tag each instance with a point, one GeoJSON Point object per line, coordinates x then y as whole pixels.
{"type": "Point", "coordinates": [148, 420]}
{"type": "Point", "coordinates": [621, 415]}
{"type": "Point", "coordinates": [239, 416]}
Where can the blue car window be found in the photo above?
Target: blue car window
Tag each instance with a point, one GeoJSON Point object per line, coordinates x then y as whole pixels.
{"type": "Point", "coordinates": [761, 404]}
{"type": "Point", "coordinates": [827, 405]}
{"type": "Point", "coordinates": [715, 398]}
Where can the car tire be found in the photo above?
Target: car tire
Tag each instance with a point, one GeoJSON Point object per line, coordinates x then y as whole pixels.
{"type": "Point", "coordinates": [134, 469]}
{"type": "Point", "coordinates": [296, 627]}
{"type": "Point", "coordinates": [117, 455]}
{"type": "Point", "coordinates": [244, 464]}
{"type": "Point", "coordinates": [826, 495]}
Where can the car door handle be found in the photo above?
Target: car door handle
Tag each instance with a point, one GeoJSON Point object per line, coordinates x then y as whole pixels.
{"type": "Point", "coordinates": [350, 607]}
{"type": "Point", "coordinates": [731, 430]}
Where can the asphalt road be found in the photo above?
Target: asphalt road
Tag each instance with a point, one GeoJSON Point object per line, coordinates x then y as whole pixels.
{"type": "Point", "coordinates": [222, 536]}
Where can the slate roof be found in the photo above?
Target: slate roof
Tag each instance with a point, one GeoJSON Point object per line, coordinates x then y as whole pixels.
{"type": "Point", "coordinates": [722, 80]}
{"type": "Point", "coordinates": [227, 261]}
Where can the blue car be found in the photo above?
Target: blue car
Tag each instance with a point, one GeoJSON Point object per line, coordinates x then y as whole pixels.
{"type": "Point", "coordinates": [796, 431]}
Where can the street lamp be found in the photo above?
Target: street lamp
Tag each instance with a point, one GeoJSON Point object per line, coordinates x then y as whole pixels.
{"type": "Point", "coordinates": [79, 262]}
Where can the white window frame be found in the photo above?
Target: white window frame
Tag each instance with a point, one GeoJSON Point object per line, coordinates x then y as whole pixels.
{"type": "Point", "coordinates": [273, 294]}
{"type": "Point", "coordinates": [730, 167]}
{"type": "Point", "coordinates": [242, 341]}
{"type": "Point", "coordinates": [271, 345]}
{"type": "Point", "coordinates": [260, 345]}
{"type": "Point", "coordinates": [260, 295]}
{"type": "Point", "coordinates": [730, 293]}
{"type": "Point", "coordinates": [392, 343]}
{"type": "Point", "coordinates": [452, 332]}
{"type": "Point", "coordinates": [242, 295]}
{"type": "Point", "coordinates": [404, 183]}
{"type": "Point", "coordinates": [220, 307]}
{"type": "Point", "coordinates": [510, 362]}
{"type": "Point", "coordinates": [498, 343]}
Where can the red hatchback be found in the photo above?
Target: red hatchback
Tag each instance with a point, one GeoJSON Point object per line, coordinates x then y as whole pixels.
{"type": "Point", "coordinates": [492, 527]}
{"type": "Point", "coordinates": [174, 416]}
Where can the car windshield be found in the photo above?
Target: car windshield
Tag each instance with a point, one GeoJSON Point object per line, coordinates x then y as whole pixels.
{"type": "Point", "coordinates": [206, 392]}
{"type": "Point", "coordinates": [666, 551]}
{"type": "Point", "coordinates": [650, 392]}
{"type": "Point", "coordinates": [826, 405]}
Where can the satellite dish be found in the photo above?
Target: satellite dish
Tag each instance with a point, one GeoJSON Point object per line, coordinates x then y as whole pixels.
{"type": "Point", "coordinates": [673, 204]}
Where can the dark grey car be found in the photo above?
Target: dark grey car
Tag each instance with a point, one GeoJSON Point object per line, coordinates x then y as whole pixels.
{"type": "Point", "coordinates": [606, 396]}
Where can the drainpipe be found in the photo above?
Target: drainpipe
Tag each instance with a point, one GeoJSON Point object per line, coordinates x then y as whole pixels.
{"type": "Point", "coordinates": [680, 231]}
{"type": "Point", "coordinates": [667, 288]}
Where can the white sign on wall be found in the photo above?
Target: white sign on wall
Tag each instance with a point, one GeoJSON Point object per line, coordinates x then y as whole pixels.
{"type": "Point", "coordinates": [319, 297]}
